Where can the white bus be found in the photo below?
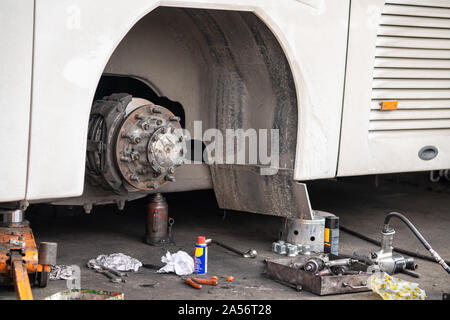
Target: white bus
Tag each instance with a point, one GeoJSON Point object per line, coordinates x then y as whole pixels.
{"type": "Point", "coordinates": [91, 93]}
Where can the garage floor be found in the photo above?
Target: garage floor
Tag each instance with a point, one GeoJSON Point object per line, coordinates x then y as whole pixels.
{"type": "Point", "coordinates": [360, 205]}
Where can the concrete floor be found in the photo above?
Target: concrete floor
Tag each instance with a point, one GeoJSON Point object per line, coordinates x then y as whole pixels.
{"type": "Point", "coordinates": [359, 204]}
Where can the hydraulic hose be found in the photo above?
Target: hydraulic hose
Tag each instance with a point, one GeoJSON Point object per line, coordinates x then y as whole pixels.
{"type": "Point", "coordinates": [378, 243]}
{"type": "Point", "coordinates": [419, 236]}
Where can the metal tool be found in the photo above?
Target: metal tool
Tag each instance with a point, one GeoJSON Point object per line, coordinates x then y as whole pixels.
{"type": "Point", "coordinates": [111, 276]}
{"type": "Point", "coordinates": [317, 264]}
{"type": "Point", "coordinates": [250, 253]}
{"type": "Point", "coordinates": [158, 229]}
{"type": "Point", "coordinates": [19, 255]}
{"type": "Point", "coordinates": [344, 270]}
{"type": "Point", "coordinates": [323, 282]}
{"type": "Point", "coordinates": [115, 272]}
{"type": "Point", "coordinates": [384, 259]}
{"type": "Point", "coordinates": [314, 265]}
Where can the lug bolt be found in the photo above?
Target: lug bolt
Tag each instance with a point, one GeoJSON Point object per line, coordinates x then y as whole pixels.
{"type": "Point", "coordinates": [170, 178]}
{"type": "Point", "coordinates": [152, 186]}
{"type": "Point", "coordinates": [125, 135]}
{"type": "Point", "coordinates": [137, 139]}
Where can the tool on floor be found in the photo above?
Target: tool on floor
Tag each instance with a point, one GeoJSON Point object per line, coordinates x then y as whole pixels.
{"type": "Point", "coordinates": [201, 256]}
{"type": "Point", "coordinates": [316, 264]}
{"type": "Point", "coordinates": [20, 257]}
{"type": "Point", "coordinates": [111, 276]}
{"type": "Point", "coordinates": [159, 226]}
{"type": "Point", "coordinates": [320, 273]}
{"type": "Point", "coordinates": [115, 272]}
{"type": "Point", "coordinates": [250, 253]}
{"type": "Point", "coordinates": [308, 228]}
{"type": "Point", "coordinates": [289, 249]}
{"type": "Point", "coordinates": [384, 260]}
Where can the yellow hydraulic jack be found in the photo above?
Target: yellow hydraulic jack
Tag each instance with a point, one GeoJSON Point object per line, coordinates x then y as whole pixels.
{"type": "Point", "coordinates": [20, 260]}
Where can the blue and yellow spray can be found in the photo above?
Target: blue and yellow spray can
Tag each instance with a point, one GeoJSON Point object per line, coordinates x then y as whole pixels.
{"type": "Point", "coordinates": [201, 256]}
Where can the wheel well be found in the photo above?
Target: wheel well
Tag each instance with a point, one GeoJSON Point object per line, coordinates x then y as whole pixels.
{"type": "Point", "coordinates": [226, 68]}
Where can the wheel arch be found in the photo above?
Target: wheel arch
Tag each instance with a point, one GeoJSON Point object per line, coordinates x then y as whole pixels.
{"type": "Point", "coordinates": [37, 191]}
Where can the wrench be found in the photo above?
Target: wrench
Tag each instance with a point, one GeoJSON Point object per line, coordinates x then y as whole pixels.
{"type": "Point", "coordinates": [111, 277]}
{"type": "Point", "coordinates": [115, 272]}
{"type": "Point", "coordinates": [250, 253]}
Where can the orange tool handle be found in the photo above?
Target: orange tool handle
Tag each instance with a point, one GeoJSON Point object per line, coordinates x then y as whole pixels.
{"type": "Point", "coordinates": [21, 281]}
{"type": "Point", "coordinates": [206, 281]}
{"type": "Point", "coordinates": [193, 284]}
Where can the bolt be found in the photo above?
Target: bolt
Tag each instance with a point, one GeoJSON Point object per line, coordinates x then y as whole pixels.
{"type": "Point", "coordinates": [171, 170]}
{"type": "Point", "coordinates": [170, 178]}
{"type": "Point", "coordinates": [134, 156]}
{"type": "Point", "coordinates": [152, 185]}
{"type": "Point", "coordinates": [142, 171]}
{"type": "Point", "coordinates": [87, 208]}
{"type": "Point", "coordinates": [120, 204]}
{"type": "Point", "coordinates": [134, 178]}
{"type": "Point", "coordinates": [145, 126]}
{"type": "Point", "coordinates": [137, 139]}
{"type": "Point", "coordinates": [157, 110]}
{"type": "Point", "coordinates": [174, 118]}
{"type": "Point", "coordinates": [125, 135]}
{"type": "Point", "coordinates": [139, 116]}
{"type": "Point", "coordinates": [159, 122]}
{"type": "Point", "coordinates": [374, 255]}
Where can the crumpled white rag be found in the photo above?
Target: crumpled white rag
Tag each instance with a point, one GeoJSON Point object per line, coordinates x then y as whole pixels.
{"type": "Point", "coordinates": [181, 263]}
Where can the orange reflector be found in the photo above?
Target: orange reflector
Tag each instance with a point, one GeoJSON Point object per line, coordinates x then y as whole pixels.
{"type": "Point", "coordinates": [389, 105]}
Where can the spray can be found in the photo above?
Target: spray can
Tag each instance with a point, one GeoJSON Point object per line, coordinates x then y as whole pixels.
{"type": "Point", "coordinates": [331, 235]}
{"type": "Point", "coordinates": [201, 256]}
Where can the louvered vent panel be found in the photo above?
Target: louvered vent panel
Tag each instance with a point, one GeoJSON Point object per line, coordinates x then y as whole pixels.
{"type": "Point", "coordinates": [412, 66]}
